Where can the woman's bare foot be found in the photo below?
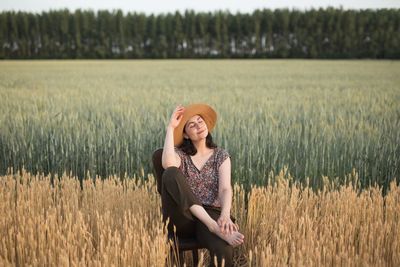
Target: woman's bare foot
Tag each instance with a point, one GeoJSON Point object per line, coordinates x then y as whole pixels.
{"type": "Point", "coordinates": [234, 239]}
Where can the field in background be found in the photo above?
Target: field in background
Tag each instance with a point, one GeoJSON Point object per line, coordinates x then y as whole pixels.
{"type": "Point", "coordinates": [107, 117]}
{"type": "Point", "coordinates": [118, 222]}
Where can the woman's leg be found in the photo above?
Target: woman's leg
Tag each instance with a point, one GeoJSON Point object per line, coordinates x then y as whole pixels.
{"type": "Point", "coordinates": [181, 206]}
{"type": "Point", "coordinates": [177, 198]}
{"type": "Point", "coordinates": [217, 246]}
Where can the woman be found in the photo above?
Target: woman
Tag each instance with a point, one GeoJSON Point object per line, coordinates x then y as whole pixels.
{"type": "Point", "coordinates": [196, 187]}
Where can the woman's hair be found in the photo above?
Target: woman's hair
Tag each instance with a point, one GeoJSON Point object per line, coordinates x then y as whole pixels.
{"type": "Point", "coordinates": [188, 147]}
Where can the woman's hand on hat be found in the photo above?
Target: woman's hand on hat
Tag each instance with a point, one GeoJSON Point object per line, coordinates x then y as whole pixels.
{"type": "Point", "coordinates": [176, 116]}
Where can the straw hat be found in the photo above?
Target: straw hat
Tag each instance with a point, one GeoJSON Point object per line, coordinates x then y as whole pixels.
{"type": "Point", "coordinates": [205, 111]}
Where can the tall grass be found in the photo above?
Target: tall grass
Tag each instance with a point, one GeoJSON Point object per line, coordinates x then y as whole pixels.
{"type": "Point", "coordinates": [107, 117]}
{"type": "Point", "coordinates": [110, 222]}
{"type": "Point", "coordinates": [117, 222]}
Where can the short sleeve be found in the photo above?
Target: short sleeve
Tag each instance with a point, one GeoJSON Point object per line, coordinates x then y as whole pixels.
{"type": "Point", "coordinates": [180, 153]}
{"type": "Point", "coordinates": [222, 156]}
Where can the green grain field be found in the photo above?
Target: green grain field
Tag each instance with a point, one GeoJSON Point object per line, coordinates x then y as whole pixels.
{"type": "Point", "coordinates": [317, 118]}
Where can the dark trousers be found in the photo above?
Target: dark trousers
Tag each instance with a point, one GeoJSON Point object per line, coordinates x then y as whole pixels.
{"type": "Point", "coordinates": [177, 198]}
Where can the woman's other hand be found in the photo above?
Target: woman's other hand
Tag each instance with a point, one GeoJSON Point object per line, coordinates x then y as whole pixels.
{"type": "Point", "coordinates": [226, 225]}
{"type": "Point", "coordinates": [176, 116]}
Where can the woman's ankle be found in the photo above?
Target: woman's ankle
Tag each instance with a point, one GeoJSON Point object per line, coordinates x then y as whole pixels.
{"type": "Point", "coordinates": [213, 227]}
{"type": "Point", "coordinates": [204, 217]}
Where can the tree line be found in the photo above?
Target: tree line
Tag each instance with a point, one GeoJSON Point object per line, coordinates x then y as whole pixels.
{"type": "Point", "coordinates": [280, 33]}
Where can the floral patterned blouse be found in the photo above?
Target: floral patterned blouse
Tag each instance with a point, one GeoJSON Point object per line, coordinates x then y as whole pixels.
{"type": "Point", "coordinates": [204, 182]}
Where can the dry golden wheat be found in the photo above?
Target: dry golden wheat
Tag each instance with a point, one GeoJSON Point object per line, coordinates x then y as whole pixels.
{"type": "Point", "coordinates": [117, 222]}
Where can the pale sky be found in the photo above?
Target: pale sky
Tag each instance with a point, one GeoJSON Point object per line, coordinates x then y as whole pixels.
{"type": "Point", "coordinates": [165, 6]}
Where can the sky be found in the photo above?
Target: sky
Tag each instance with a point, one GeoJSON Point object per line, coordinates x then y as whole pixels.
{"type": "Point", "coordinates": [170, 6]}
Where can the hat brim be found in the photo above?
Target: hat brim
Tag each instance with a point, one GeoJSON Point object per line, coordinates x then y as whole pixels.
{"type": "Point", "coordinates": [205, 111]}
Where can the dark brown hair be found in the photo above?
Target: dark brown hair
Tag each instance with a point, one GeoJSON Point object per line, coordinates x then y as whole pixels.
{"type": "Point", "coordinates": [188, 147]}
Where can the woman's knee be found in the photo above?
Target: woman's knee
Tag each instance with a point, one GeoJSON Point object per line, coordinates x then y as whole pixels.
{"type": "Point", "coordinates": [170, 174]}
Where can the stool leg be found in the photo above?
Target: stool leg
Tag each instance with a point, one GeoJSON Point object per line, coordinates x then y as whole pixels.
{"type": "Point", "coordinates": [181, 258]}
{"type": "Point", "coordinates": [195, 257]}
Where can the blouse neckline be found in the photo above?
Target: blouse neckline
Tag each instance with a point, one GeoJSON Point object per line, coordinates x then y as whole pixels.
{"type": "Point", "coordinates": [204, 165]}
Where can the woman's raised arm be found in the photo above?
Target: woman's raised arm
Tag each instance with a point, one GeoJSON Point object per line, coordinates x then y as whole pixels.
{"type": "Point", "coordinates": [169, 156]}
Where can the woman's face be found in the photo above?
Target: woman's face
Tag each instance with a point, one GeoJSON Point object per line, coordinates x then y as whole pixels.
{"type": "Point", "coordinates": [195, 128]}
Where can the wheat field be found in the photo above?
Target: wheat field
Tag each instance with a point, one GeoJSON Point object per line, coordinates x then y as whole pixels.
{"type": "Point", "coordinates": [315, 149]}
{"type": "Point", "coordinates": [107, 117]}
{"type": "Point", "coordinates": [117, 222]}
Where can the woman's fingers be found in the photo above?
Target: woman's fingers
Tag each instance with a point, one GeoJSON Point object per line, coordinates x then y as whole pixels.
{"type": "Point", "coordinates": [179, 107]}
{"type": "Point", "coordinates": [176, 116]}
{"type": "Point", "coordinates": [226, 227]}
{"type": "Point", "coordinates": [223, 227]}
{"type": "Point", "coordinates": [230, 229]}
{"type": "Point", "coordinates": [178, 113]}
